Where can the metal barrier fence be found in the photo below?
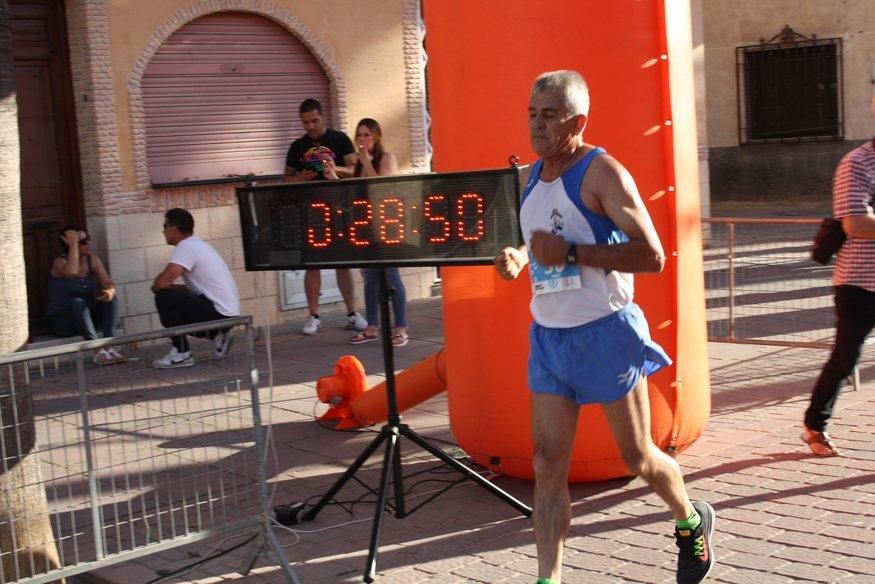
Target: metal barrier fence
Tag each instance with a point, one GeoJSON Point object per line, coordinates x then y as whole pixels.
{"type": "Point", "coordinates": [761, 285]}
{"type": "Point", "coordinates": [763, 288]}
{"type": "Point", "coordinates": [134, 459]}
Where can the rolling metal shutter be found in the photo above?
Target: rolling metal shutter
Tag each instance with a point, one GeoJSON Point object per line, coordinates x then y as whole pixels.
{"type": "Point", "coordinates": [221, 98]}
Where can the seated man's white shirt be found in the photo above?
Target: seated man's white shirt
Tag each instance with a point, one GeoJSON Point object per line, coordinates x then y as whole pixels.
{"type": "Point", "coordinates": [206, 273]}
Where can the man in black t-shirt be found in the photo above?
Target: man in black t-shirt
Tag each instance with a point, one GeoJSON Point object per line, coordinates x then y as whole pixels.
{"type": "Point", "coordinates": [308, 154]}
{"type": "Point", "coordinates": [322, 153]}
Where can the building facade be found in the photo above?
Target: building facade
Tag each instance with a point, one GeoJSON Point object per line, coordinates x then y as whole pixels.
{"type": "Point", "coordinates": [168, 103]}
{"type": "Point", "coordinates": [788, 87]}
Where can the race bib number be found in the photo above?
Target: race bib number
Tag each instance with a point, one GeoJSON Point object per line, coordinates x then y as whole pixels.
{"type": "Point", "coordinates": [549, 279]}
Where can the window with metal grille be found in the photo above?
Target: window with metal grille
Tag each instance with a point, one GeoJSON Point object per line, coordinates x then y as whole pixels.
{"type": "Point", "coordinates": [790, 90]}
{"type": "Point", "coordinates": [221, 97]}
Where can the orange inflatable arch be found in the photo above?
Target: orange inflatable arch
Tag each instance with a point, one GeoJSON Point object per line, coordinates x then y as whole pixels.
{"type": "Point", "coordinates": [637, 58]}
{"type": "Point", "coordinates": [636, 55]}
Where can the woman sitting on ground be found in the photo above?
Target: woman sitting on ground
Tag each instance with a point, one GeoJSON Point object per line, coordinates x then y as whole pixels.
{"type": "Point", "coordinates": [81, 294]}
{"type": "Point", "coordinates": [374, 161]}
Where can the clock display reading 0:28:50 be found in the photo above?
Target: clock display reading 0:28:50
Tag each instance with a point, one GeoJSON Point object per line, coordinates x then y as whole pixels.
{"type": "Point", "coordinates": [432, 219]}
{"type": "Point", "coordinates": [386, 221]}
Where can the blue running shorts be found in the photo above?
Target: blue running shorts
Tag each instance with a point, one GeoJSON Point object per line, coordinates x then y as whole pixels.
{"type": "Point", "coordinates": [598, 362]}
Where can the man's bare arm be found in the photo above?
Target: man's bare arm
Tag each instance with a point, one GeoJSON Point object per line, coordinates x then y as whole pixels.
{"type": "Point", "coordinates": [291, 174]}
{"type": "Point", "coordinates": [167, 277]}
{"type": "Point", "coordinates": [608, 189]}
{"type": "Point", "coordinates": [347, 170]}
{"type": "Point", "coordinates": [862, 226]}
{"type": "Point", "coordinates": [619, 198]}
{"type": "Point", "coordinates": [511, 260]}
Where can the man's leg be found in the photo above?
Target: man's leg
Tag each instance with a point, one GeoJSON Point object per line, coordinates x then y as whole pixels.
{"type": "Point", "coordinates": [629, 419]}
{"type": "Point", "coordinates": [171, 311]}
{"type": "Point", "coordinates": [855, 316]}
{"type": "Point", "coordinates": [312, 286]}
{"type": "Point", "coordinates": [554, 421]}
{"type": "Point", "coordinates": [177, 306]}
{"type": "Point", "coordinates": [353, 319]}
{"type": "Point", "coordinates": [344, 282]}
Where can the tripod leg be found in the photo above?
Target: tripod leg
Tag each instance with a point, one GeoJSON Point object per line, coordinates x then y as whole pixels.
{"type": "Point", "coordinates": [467, 472]}
{"type": "Point", "coordinates": [366, 454]}
{"type": "Point", "coordinates": [389, 460]}
{"type": "Point", "coordinates": [398, 483]}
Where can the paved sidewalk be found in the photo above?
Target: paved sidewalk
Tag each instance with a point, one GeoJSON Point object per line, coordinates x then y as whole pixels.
{"type": "Point", "coordinates": [783, 516]}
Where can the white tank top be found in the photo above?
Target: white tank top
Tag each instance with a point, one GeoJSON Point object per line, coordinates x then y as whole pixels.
{"type": "Point", "coordinates": [570, 296]}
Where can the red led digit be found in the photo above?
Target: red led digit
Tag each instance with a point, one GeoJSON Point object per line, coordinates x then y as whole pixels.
{"type": "Point", "coordinates": [469, 211]}
{"type": "Point", "coordinates": [362, 215]}
{"type": "Point", "coordinates": [436, 219]}
{"type": "Point", "coordinates": [391, 212]}
{"type": "Point", "coordinates": [322, 211]}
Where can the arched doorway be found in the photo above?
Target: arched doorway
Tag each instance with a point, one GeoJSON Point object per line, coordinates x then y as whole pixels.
{"type": "Point", "coordinates": [221, 96]}
{"type": "Point", "coordinates": [51, 181]}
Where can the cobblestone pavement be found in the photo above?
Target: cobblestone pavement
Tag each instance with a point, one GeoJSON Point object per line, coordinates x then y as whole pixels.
{"type": "Point", "coordinates": [783, 515]}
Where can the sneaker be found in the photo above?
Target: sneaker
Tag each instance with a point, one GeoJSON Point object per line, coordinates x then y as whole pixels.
{"type": "Point", "coordinates": [695, 557]}
{"type": "Point", "coordinates": [819, 442]}
{"type": "Point", "coordinates": [312, 325]}
{"type": "Point", "coordinates": [222, 344]}
{"type": "Point", "coordinates": [356, 322]}
{"type": "Point", "coordinates": [174, 359]}
{"type": "Point", "coordinates": [103, 357]}
{"type": "Point", "coordinates": [116, 356]}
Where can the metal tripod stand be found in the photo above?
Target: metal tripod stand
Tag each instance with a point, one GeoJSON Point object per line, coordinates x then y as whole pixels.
{"type": "Point", "coordinates": [391, 434]}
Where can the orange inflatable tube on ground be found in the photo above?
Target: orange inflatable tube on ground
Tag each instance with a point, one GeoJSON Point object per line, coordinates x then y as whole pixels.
{"type": "Point", "coordinates": [348, 401]}
{"type": "Point", "coordinates": [412, 386]}
{"type": "Point", "coordinates": [338, 390]}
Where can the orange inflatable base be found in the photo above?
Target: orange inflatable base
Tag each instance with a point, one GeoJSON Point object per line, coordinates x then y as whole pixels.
{"type": "Point", "coordinates": [579, 471]}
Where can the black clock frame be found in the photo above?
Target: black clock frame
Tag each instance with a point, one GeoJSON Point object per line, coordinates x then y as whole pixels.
{"type": "Point", "coordinates": [273, 220]}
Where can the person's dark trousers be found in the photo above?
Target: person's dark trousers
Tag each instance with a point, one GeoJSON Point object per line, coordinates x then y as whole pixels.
{"type": "Point", "coordinates": [178, 306]}
{"type": "Point", "coordinates": [855, 317]}
{"type": "Point", "coordinates": [80, 317]}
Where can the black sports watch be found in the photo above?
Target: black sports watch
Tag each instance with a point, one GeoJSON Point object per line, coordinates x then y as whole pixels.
{"type": "Point", "coordinates": [571, 256]}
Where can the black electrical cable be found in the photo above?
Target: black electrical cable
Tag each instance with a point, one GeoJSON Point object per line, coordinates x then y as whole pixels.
{"type": "Point", "coordinates": [202, 561]}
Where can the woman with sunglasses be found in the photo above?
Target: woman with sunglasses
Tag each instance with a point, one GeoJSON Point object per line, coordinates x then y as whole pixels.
{"type": "Point", "coordinates": [81, 294]}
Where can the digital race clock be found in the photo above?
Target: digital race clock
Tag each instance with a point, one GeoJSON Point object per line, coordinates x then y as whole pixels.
{"type": "Point", "coordinates": [432, 219]}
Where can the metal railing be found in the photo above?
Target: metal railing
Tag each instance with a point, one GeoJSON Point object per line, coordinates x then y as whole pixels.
{"type": "Point", "coordinates": [763, 288]}
{"type": "Point", "coordinates": [134, 459]}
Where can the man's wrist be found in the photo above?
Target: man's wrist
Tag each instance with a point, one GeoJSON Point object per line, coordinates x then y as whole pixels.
{"type": "Point", "coordinates": [571, 254]}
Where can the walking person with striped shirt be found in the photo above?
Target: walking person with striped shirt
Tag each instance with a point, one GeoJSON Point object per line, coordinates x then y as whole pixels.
{"type": "Point", "coordinates": [853, 202]}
